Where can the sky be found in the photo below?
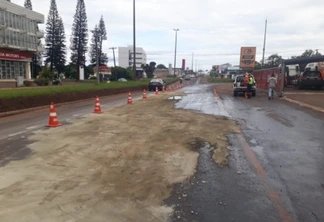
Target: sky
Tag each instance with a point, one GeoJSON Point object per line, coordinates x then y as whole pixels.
{"type": "Point", "coordinates": [212, 30]}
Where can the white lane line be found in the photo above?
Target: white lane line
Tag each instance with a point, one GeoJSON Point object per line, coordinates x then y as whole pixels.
{"type": "Point", "coordinates": [18, 133]}
{"type": "Point", "coordinates": [33, 127]}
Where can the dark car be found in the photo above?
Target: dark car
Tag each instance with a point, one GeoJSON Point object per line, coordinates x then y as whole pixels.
{"type": "Point", "coordinates": [156, 83]}
{"type": "Point", "coordinates": [310, 79]}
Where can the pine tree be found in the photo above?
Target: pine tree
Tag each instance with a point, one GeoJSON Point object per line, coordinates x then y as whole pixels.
{"type": "Point", "coordinates": [79, 37]}
{"type": "Point", "coordinates": [94, 46]}
{"type": "Point", "coordinates": [55, 40]}
{"type": "Point", "coordinates": [37, 61]}
{"type": "Point", "coordinates": [102, 36]}
{"type": "Point", "coordinates": [28, 4]}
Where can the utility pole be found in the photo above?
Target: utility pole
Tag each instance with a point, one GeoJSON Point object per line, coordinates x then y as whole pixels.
{"type": "Point", "coordinates": [175, 51]}
{"type": "Point", "coordinates": [113, 48]}
{"type": "Point", "coordinates": [97, 63]}
{"type": "Point", "coordinates": [192, 61]}
{"type": "Point", "coordinates": [134, 42]}
{"type": "Point", "coordinates": [264, 41]}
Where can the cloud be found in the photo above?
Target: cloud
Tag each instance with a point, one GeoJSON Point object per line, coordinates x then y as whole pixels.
{"type": "Point", "coordinates": [214, 30]}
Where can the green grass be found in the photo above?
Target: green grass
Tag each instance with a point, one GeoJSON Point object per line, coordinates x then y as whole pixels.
{"type": "Point", "coordinates": [54, 90]}
{"type": "Point", "coordinates": [219, 80]}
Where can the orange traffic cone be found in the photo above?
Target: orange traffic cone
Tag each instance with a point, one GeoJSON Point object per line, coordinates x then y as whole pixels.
{"type": "Point", "coordinates": [129, 100]}
{"type": "Point", "coordinates": [156, 91]}
{"type": "Point", "coordinates": [163, 89]}
{"type": "Point", "coordinates": [97, 108]}
{"type": "Point", "coordinates": [53, 121]}
{"type": "Point", "coordinates": [144, 94]}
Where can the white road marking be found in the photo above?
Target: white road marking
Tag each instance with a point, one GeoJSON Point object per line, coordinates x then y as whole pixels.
{"type": "Point", "coordinates": [68, 120]}
{"type": "Point", "coordinates": [33, 127]}
{"type": "Point", "coordinates": [86, 115]}
{"type": "Point", "coordinates": [18, 133]}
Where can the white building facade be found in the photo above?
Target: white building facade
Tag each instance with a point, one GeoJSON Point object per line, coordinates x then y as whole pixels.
{"type": "Point", "coordinates": [19, 40]}
{"type": "Point", "coordinates": [126, 57]}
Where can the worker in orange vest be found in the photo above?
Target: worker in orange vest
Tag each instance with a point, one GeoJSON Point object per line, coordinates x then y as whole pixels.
{"type": "Point", "coordinates": [246, 78]}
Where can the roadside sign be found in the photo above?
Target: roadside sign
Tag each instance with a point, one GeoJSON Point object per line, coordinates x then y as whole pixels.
{"type": "Point", "coordinates": [247, 57]}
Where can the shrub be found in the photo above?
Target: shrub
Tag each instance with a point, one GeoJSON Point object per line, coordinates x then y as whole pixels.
{"type": "Point", "coordinates": [42, 81]}
{"type": "Point", "coordinates": [46, 73]}
{"type": "Point", "coordinates": [28, 82]}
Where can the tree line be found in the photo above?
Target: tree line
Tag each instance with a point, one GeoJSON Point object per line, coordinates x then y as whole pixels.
{"type": "Point", "coordinates": [275, 60]}
{"type": "Point", "coordinates": [54, 55]}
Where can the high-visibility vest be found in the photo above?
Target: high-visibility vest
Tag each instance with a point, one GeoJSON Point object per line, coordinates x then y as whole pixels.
{"type": "Point", "coordinates": [251, 80]}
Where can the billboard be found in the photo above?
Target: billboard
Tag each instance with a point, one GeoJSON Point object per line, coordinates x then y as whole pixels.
{"type": "Point", "coordinates": [183, 64]}
{"type": "Point", "coordinates": [247, 57]}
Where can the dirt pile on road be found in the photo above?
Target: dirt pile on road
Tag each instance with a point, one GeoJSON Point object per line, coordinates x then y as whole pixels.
{"type": "Point", "coordinates": [117, 166]}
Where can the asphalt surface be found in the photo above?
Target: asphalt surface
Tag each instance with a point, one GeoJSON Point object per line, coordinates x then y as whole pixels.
{"type": "Point", "coordinates": [276, 164]}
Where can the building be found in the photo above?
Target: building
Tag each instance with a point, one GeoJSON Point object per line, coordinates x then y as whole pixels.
{"type": "Point", "coordinates": [126, 57]}
{"type": "Point", "coordinates": [161, 73]}
{"type": "Point", "coordinates": [104, 72]}
{"type": "Point", "coordinates": [19, 40]}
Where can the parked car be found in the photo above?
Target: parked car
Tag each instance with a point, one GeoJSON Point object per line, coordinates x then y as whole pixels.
{"type": "Point", "coordinates": [309, 79]}
{"type": "Point", "coordinates": [240, 86]}
{"type": "Point", "coordinates": [159, 83]}
{"type": "Point", "coordinates": [122, 80]}
{"type": "Point", "coordinates": [187, 77]}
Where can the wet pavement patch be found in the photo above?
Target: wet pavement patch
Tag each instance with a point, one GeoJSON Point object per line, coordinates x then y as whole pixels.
{"type": "Point", "coordinates": [13, 149]}
{"type": "Point", "coordinates": [183, 209]}
{"type": "Point", "coordinates": [217, 193]}
{"type": "Point", "coordinates": [175, 98]}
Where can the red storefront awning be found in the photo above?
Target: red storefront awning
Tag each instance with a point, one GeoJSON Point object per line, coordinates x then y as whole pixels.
{"type": "Point", "coordinates": [15, 55]}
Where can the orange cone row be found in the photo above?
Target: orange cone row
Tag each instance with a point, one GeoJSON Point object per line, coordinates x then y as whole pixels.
{"type": "Point", "coordinates": [53, 118]}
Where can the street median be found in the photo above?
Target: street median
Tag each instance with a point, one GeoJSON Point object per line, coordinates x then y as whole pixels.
{"type": "Point", "coordinates": [26, 98]}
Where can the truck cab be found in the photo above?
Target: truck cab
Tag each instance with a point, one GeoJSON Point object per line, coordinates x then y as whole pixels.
{"type": "Point", "coordinates": [292, 73]}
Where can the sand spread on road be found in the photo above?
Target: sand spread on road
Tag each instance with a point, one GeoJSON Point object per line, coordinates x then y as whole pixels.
{"type": "Point", "coordinates": [116, 166]}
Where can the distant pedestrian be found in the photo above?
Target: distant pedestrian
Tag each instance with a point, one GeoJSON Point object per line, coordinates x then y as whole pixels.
{"type": "Point", "coordinates": [272, 81]}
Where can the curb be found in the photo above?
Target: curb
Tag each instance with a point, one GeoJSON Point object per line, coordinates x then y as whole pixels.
{"type": "Point", "coordinates": [316, 108]}
{"type": "Point", "coordinates": [216, 94]}
{"type": "Point", "coordinates": [11, 113]}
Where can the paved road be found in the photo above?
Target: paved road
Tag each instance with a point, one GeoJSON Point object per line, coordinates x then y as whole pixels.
{"type": "Point", "coordinates": [276, 164]}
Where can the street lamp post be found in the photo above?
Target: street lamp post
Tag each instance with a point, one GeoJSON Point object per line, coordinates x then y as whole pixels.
{"type": "Point", "coordinates": [113, 48]}
{"type": "Point", "coordinates": [175, 51]}
{"type": "Point", "coordinates": [97, 61]}
{"type": "Point", "coordinates": [134, 42]}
